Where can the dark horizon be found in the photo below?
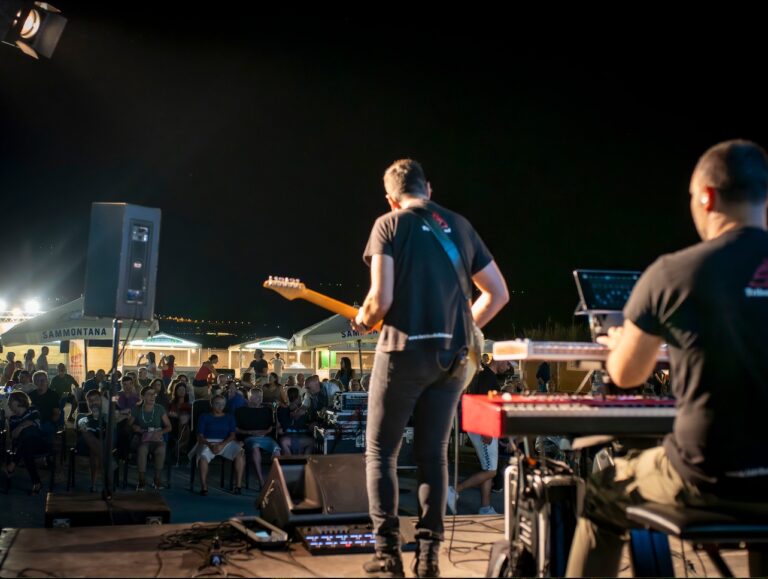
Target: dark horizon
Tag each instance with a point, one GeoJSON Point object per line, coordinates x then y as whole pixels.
{"type": "Point", "coordinates": [265, 150]}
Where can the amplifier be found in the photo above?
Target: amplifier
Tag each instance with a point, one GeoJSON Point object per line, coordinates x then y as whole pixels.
{"type": "Point", "coordinates": [327, 441]}
{"type": "Point", "coordinates": [87, 510]}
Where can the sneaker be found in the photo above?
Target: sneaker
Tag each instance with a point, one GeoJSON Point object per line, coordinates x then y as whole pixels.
{"type": "Point", "coordinates": [385, 565]}
{"type": "Point", "coordinates": [489, 510]}
{"type": "Point", "coordinates": [158, 485]}
{"type": "Point", "coordinates": [452, 497]}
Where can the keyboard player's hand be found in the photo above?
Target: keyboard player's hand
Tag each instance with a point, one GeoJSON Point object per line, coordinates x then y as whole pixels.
{"type": "Point", "coordinates": [612, 339]}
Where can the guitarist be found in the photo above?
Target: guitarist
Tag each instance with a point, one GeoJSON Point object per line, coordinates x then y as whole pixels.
{"type": "Point", "coordinates": [420, 365]}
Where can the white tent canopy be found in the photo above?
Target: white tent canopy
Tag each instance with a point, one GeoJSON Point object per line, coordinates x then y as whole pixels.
{"type": "Point", "coordinates": [167, 341]}
{"type": "Point", "coordinates": [333, 332]}
{"type": "Point", "coordinates": [273, 343]}
{"type": "Point", "coordinates": [68, 323]}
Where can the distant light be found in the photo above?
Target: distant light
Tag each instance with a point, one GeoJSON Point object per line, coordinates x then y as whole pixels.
{"type": "Point", "coordinates": [32, 307]}
{"type": "Point", "coordinates": [16, 312]}
{"type": "Point", "coordinates": [3, 306]}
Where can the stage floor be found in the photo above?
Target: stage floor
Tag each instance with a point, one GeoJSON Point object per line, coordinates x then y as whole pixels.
{"type": "Point", "coordinates": [132, 551]}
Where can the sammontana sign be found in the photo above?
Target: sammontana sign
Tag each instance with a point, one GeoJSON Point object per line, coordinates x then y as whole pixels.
{"type": "Point", "coordinates": [73, 333]}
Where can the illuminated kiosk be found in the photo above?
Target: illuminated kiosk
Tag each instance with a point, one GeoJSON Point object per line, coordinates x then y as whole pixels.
{"type": "Point", "coordinates": [188, 354]}
{"type": "Point", "coordinates": [241, 355]}
{"type": "Point", "coordinates": [330, 340]}
{"type": "Point", "coordinates": [88, 340]}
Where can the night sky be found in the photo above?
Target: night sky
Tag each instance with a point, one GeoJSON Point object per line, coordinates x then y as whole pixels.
{"type": "Point", "coordinates": [264, 142]}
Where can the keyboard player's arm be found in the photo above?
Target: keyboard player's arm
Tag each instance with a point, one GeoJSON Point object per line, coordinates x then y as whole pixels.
{"type": "Point", "coordinates": [633, 354]}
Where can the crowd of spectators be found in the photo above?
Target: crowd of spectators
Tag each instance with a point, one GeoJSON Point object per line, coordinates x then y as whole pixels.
{"type": "Point", "coordinates": [258, 416]}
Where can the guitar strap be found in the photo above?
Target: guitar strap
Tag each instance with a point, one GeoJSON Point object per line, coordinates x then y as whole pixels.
{"type": "Point", "coordinates": [454, 256]}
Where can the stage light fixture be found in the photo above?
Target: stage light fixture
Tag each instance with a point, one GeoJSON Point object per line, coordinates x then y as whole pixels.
{"type": "Point", "coordinates": [32, 27]}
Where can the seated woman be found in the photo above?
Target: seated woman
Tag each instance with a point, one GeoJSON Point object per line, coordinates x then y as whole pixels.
{"type": "Point", "coordinates": [92, 429]}
{"type": "Point", "coordinates": [272, 390]}
{"type": "Point", "coordinates": [255, 424]}
{"type": "Point", "coordinates": [162, 398]}
{"type": "Point", "coordinates": [216, 433]}
{"type": "Point", "coordinates": [292, 426]}
{"type": "Point", "coordinates": [180, 413]}
{"type": "Point", "coordinates": [150, 423]}
{"type": "Point", "coordinates": [27, 438]}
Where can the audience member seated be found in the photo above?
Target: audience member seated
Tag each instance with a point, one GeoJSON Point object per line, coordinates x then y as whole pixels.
{"type": "Point", "coordinates": [292, 427]}
{"type": "Point", "coordinates": [180, 413]}
{"type": "Point", "coordinates": [216, 436]}
{"type": "Point", "coordinates": [255, 425]}
{"type": "Point", "coordinates": [66, 388]}
{"type": "Point", "coordinates": [144, 379]}
{"type": "Point", "coordinates": [365, 382]}
{"type": "Point", "coordinates": [290, 382]}
{"type": "Point", "coordinates": [127, 401]}
{"type": "Point", "coordinates": [272, 390]}
{"type": "Point", "coordinates": [150, 423]}
{"type": "Point", "coordinates": [317, 397]}
{"type": "Point", "coordinates": [162, 398]}
{"type": "Point", "coordinates": [92, 429]}
{"type": "Point", "coordinates": [27, 439]}
{"type": "Point", "coordinates": [47, 403]}
{"type": "Point", "coordinates": [22, 380]}
{"type": "Point", "coordinates": [354, 385]}
{"type": "Point", "coordinates": [95, 382]}
{"type": "Point", "coordinates": [235, 399]}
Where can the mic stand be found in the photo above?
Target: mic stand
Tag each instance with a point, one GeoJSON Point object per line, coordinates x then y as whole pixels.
{"type": "Point", "coordinates": [106, 494]}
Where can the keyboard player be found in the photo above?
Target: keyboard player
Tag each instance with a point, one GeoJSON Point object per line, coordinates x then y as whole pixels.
{"type": "Point", "coordinates": [709, 303]}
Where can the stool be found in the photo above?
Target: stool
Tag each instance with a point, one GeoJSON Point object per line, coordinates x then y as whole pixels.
{"type": "Point", "coordinates": [708, 529]}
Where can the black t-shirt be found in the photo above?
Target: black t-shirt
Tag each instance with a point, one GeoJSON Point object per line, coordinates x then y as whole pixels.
{"type": "Point", "coordinates": [248, 418]}
{"type": "Point", "coordinates": [426, 310]}
{"type": "Point", "coordinates": [260, 366]}
{"type": "Point", "coordinates": [45, 403]}
{"type": "Point", "coordinates": [710, 304]}
{"type": "Point", "coordinates": [484, 382]}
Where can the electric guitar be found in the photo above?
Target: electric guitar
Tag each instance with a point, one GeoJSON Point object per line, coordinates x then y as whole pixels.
{"type": "Point", "coordinates": [292, 288]}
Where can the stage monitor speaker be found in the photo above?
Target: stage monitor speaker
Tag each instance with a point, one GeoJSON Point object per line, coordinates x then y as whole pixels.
{"type": "Point", "coordinates": [314, 490]}
{"type": "Point", "coordinates": [121, 271]}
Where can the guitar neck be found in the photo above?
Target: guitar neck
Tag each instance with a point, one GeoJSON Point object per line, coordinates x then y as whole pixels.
{"type": "Point", "coordinates": [330, 304]}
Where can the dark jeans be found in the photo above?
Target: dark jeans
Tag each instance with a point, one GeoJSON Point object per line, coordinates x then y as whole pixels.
{"type": "Point", "coordinates": [404, 384]}
{"type": "Point", "coordinates": [27, 449]}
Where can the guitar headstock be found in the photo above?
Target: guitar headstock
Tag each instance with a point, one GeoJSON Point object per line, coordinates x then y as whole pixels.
{"type": "Point", "coordinates": [288, 287]}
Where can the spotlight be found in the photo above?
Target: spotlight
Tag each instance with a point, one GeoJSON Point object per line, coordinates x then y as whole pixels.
{"type": "Point", "coordinates": [32, 307]}
{"type": "Point", "coordinates": [33, 27]}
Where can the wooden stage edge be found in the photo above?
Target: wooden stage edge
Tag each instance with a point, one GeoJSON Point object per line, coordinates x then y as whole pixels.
{"type": "Point", "coordinates": [132, 551]}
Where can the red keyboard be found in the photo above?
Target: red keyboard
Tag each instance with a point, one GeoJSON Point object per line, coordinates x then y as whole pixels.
{"type": "Point", "coordinates": [509, 414]}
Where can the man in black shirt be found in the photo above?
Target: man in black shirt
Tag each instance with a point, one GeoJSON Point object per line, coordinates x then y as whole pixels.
{"type": "Point", "coordinates": [259, 365]}
{"type": "Point", "coordinates": [415, 290]}
{"type": "Point", "coordinates": [709, 303]}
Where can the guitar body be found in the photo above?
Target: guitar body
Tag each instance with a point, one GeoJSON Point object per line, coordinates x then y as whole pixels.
{"type": "Point", "coordinates": [292, 289]}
